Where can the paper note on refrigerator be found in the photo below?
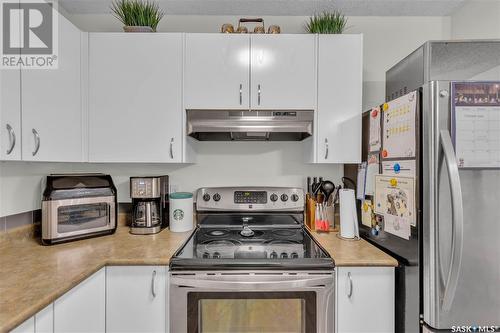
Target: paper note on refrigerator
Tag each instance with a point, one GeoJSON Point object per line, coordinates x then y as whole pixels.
{"type": "Point", "coordinates": [360, 181]}
{"type": "Point", "coordinates": [375, 139]}
{"type": "Point", "coordinates": [372, 169]}
{"type": "Point", "coordinates": [399, 127]}
{"type": "Point", "coordinates": [405, 168]}
{"type": "Point", "coordinates": [476, 124]}
{"type": "Point", "coordinates": [395, 201]}
{"type": "Point", "coordinates": [366, 213]}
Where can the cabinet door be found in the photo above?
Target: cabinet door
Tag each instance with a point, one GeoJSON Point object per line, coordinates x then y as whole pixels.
{"type": "Point", "coordinates": [51, 103]}
{"type": "Point", "coordinates": [365, 300]}
{"type": "Point", "coordinates": [340, 69]}
{"type": "Point", "coordinates": [217, 71]}
{"type": "Point", "coordinates": [27, 327]}
{"type": "Point", "coordinates": [135, 97]}
{"type": "Point", "coordinates": [82, 309]}
{"type": "Point", "coordinates": [44, 320]}
{"type": "Point", "coordinates": [136, 299]}
{"type": "Point", "coordinates": [283, 71]}
{"type": "Point", "coordinates": [10, 114]}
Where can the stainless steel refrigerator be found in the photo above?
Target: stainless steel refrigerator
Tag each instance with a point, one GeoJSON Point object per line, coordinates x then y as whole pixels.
{"type": "Point", "coordinates": [449, 272]}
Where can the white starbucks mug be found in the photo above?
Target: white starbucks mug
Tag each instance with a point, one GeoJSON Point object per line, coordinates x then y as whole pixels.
{"type": "Point", "coordinates": [181, 211]}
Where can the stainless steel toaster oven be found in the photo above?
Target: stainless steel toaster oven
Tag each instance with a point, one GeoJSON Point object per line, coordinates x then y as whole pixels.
{"type": "Point", "coordinates": [76, 206]}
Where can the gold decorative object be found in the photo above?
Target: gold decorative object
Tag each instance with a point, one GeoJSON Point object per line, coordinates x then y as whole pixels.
{"type": "Point", "coordinates": [227, 28]}
{"type": "Point", "coordinates": [274, 29]}
{"type": "Point", "coordinates": [259, 30]}
{"type": "Point", "coordinates": [242, 30]}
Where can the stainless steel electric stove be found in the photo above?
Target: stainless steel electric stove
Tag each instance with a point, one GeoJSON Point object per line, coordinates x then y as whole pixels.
{"type": "Point", "coordinates": [251, 265]}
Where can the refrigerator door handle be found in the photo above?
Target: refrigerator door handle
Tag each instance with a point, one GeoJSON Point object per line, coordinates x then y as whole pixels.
{"type": "Point", "coordinates": [457, 220]}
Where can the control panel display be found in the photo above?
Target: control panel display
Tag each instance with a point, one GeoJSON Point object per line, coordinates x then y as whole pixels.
{"type": "Point", "coordinates": [250, 197]}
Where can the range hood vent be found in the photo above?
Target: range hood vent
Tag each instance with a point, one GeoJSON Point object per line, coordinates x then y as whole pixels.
{"type": "Point", "coordinates": [229, 125]}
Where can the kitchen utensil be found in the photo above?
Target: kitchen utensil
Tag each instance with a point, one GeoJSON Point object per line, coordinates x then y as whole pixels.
{"type": "Point", "coordinates": [327, 188]}
{"type": "Point", "coordinates": [308, 185]}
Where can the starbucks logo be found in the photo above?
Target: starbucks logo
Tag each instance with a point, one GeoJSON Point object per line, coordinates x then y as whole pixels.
{"type": "Point", "coordinates": [178, 214]}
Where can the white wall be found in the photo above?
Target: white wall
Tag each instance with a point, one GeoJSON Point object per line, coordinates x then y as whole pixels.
{"type": "Point", "coordinates": [219, 164]}
{"type": "Point", "coordinates": [477, 19]}
{"type": "Point", "coordinates": [386, 41]}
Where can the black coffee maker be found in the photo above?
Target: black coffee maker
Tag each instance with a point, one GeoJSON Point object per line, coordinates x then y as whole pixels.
{"type": "Point", "coordinates": [149, 204]}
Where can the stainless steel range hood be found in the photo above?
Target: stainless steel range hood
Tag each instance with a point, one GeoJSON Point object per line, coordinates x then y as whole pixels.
{"type": "Point", "coordinates": [229, 125]}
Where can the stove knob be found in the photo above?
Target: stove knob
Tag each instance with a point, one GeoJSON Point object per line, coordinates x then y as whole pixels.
{"type": "Point", "coordinates": [274, 197]}
{"type": "Point", "coordinates": [284, 197]}
{"type": "Point", "coordinates": [295, 197]}
{"type": "Point", "coordinates": [294, 255]}
{"type": "Point", "coordinates": [283, 255]}
{"type": "Point", "coordinates": [273, 255]}
{"type": "Point", "coordinates": [206, 197]}
{"type": "Point", "coordinates": [216, 197]}
{"type": "Point", "coordinates": [206, 255]}
{"type": "Point", "coordinates": [216, 255]}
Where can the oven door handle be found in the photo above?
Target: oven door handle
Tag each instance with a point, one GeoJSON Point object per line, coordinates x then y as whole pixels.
{"type": "Point", "coordinates": [253, 285]}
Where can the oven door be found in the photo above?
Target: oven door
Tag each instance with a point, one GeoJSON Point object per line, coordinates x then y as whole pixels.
{"type": "Point", "coordinates": [73, 217]}
{"type": "Point", "coordinates": [240, 301]}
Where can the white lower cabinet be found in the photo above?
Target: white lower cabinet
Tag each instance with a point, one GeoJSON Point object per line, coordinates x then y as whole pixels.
{"type": "Point", "coordinates": [364, 300]}
{"type": "Point", "coordinates": [136, 299]}
{"type": "Point", "coordinates": [44, 320]}
{"type": "Point", "coordinates": [82, 309]}
{"type": "Point", "coordinates": [27, 327]}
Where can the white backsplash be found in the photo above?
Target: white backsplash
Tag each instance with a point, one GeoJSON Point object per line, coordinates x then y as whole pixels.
{"type": "Point", "coordinates": [218, 164]}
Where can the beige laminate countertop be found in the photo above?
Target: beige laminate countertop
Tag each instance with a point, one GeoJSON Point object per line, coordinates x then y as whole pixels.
{"type": "Point", "coordinates": [33, 276]}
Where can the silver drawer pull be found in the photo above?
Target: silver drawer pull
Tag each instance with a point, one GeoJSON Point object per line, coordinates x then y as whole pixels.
{"type": "Point", "coordinates": [153, 284]}
{"type": "Point", "coordinates": [258, 94]}
{"type": "Point", "coordinates": [241, 94]}
{"type": "Point", "coordinates": [172, 148]}
{"type": "Point", "coordinates": [37, 142]}
{"type": "Point", "coordinates": [326, 148]}
{"type": "Point", "coordinates": [349, 288]}
{"type": "Point", "coordinates": [12, 139]}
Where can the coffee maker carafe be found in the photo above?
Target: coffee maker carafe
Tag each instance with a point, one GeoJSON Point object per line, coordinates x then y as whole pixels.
{"type": "Point", "coordinates": [149, 204]}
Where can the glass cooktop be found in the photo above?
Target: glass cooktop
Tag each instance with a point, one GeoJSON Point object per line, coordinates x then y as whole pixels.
{"type": "Point", "coordinates": [251, 241]}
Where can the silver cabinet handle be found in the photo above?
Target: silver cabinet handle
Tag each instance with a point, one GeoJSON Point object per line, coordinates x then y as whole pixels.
{"type": "Point", "coordinates": [349, 285]}
{"type": "Point", "coordinates": [457, 220]}
{"type": "Point", "coordinates": [12, 139]}
{"type": "Point", "coordinates": [326, 148]}
{"type": "Point", "coordinates": [153, 284]}
{"type": "Point", "coordinates": [37, 142]}
{"type": "Point", "coordinates": [241, 93]}
{"type": "Point", "coordinates": [172, 148]}
{"type": "Point", "coordinates": [258, 94]}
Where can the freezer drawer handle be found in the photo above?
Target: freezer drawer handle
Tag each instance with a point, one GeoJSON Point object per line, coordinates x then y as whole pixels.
{"type": "Point", "coordinates": [258, 94]}
{"type": "Point", "coordinates": [12, 139]}
{"type": "Point", "coordinates": [457, 220]}
{"type": "Point", "coordinates": [241, 94]}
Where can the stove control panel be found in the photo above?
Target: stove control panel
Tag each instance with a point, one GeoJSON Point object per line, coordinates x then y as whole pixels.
{"type": "Point", "coordinates": [250, 199]}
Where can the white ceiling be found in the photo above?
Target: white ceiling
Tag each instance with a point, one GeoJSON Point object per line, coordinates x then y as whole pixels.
{"type": "Point", "coordinates": [282, 7]}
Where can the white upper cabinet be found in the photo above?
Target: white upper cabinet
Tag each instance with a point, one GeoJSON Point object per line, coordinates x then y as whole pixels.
{"type": "Point", "coordinates": [52, 105]}
{"type": "Point", "coordinates": [217, 71]}
{"type": "Point", "coordinates": [10, 114]}
{"type": "Point", "coordinates": [365, 300]}
{"type": "Point", "coordinates": [135, 97]}
{"type": "Point", "coordinates": [340, 71]}
{"type": "Point", "coordinates": [283, 71]}
{"type": "Point", "coordinates": [83, 308]}
{"type": "Point", "coordinates": [143, 305]}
